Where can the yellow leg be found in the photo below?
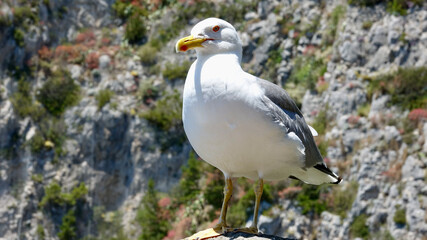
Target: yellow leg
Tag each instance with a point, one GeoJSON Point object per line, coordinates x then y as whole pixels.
{"type": "Point", "coordinates": [253, 229]}
{"type": "Point", "coordinates": [258, 193]}
{"type": "Point", "coordinates": [221, 227]}
{"type": "Point", "coordinates": [228, 192]}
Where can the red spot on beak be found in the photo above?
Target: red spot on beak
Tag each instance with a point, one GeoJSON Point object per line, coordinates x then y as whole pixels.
{"type": "Point", "coordinates": [184, 48]}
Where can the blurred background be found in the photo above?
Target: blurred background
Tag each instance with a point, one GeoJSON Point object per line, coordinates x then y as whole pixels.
{"type": "Point", "coordinates": [91, 138]}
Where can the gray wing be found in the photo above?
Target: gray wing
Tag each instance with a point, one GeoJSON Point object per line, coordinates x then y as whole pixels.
{"type": "Point", "coordinates": [284, 111]}
{"type": "Point", "coordinates": [279, 96]}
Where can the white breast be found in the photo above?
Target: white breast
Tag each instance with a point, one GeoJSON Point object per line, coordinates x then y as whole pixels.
{"type": "Point", "coordinates": [227, 127]}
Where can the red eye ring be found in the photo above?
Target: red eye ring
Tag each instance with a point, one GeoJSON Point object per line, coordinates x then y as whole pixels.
{"type": "Point", "coordinates": [216, 28]}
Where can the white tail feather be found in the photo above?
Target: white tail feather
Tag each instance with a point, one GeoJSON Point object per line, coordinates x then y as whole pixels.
{"type": "Point", "coordinates": [313, 131]}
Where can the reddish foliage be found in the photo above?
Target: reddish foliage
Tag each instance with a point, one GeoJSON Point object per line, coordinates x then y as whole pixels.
{"type": "Point", "coordinates": [353, 120]}
{"type": "Point", "coordinates": [110, 50]}
{"type": "Point", "coordinates": [87, 38]}
{"type": "Point", "coordinates": [45, 53]}
{"type": "Point", "coordinates": [92, 60]}
{"type": "Point", "coordinates": [68, 52]}
{"type": "Point", "coordinates": [309, 50]}
{"type": "Point", "coordinates": [314, 113]}
{"type": "Point", "coordinates": [394, 172]}
{"type": "Point", "coordinates": [135, 3]}
{"type": "Point", "coordinates": [417, 115]}
{"type": "Point", "coordinates": [180, 226]}
{"type": "Point", "coordinates": [105, 41]}
{"type": "Point", "coordinates": [171, 234]}
{"type": "Point", "coordinates": [289, 191]}
{"type": "Point", "coordinates": [164, 202]}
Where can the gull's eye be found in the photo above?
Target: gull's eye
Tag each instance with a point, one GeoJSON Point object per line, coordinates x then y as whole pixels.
{"type": "Point", "coordinates": [216, 28]}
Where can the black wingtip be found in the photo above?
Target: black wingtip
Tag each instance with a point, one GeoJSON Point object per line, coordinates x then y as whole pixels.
{"type": "Point", "coordinates": [338, 181]}
{"type": "Point", "coordinates": [323, 168]}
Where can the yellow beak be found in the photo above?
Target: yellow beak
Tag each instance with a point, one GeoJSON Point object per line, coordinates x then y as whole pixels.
{"type": "Point", "coordinates": [189, 42]}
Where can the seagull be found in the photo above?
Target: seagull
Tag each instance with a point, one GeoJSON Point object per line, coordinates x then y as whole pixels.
{"type": "Point", "coordinates": [241, 124]}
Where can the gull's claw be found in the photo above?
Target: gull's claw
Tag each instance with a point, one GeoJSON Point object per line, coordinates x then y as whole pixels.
{"type": "Point", "coordinates": [250, 230]}
{"type": "Point", "coordinates": [222, 227]}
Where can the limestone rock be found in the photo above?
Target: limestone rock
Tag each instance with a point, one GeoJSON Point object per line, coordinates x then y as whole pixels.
{"type": "Point", "coordinates": [242, 236]}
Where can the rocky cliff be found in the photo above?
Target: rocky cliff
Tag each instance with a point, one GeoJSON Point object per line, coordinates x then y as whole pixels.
{"type": "Point", "coordinates": [90, 112]}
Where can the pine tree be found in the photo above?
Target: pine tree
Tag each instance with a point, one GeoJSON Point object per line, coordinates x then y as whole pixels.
{"type": "Point", "coordinates": [189, 184]}
{"type": "Point", "coordinates": [149, 216]}
{"type": "Point", "coordinates": [68, 227]}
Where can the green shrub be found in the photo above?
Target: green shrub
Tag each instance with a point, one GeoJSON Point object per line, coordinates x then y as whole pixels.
{"type": "Point", "coordinates": [400, 6]}
{"type": "Point", "coordinates": [77, 193]}
{"type": "Point", "coordinates": [364, 109]}
{"type": "Point", "coordinates": [273, 61]}
{"type": "Point", "coordinates": [176, 71]}
{"type": "Point", "coordinates": [23, 104]}
{"type": "Point", "coordinates": [147, 92]}
{"type": "Point", "coordinates": [125, 9]}
{"type": "Point", "coordinates": [135, 16]}
{"type": "Point", "coordinates": [22, 14]}
{"type": "Point", "coordinates": [400, 215]}
{"type": "Point", "coordinates": [189, 183]}
{"type": "Point", "coordinates": [58, 93]}
{"type": "Point", "coordinates": [154, 226]}
{"type": "Point", "coordinates": [338, 12]}
{"type": "Point", "coordinates": [54, 195]}
{"type": "Point", "coordinates": [402, 38]}
{"type": "Point", "coordinates": [5, 21]}
{"type": "Point", "coordinates": [147, 54]}
{"type": "Point", "coordinates": [167, 111]}
{"type": "Point", "coordinates": [108, 224]}
{"type": "Point", "coordinates": [309, 199]}
{"type": "Point", "coordinates": [40, 232]}
{"type": "Point", "coordinates": [37, 178]}
{"type": "Point", "coordinates": [406, 87]}
{"type": "Point", "coordinates": [103, 97]}
{"type": "Point", "coordinates": [67, 230]}
{"type": "Point", "coordinates": [214, 193]}
{"type": "Point", "coordinates": [37, 143]}
{"type": "Point", "coordinates": [120, 9]}
{"type": "Point", "coordinates": [135, 28]}
{"type": "Point", "coordinates": [19, 35]}
{"type": "Point", "coordinates": [62, 11]}
{"type": "Point", "coordinates": [342, 199]}
{"type": "Point", "coordinates": [50, 135]}
{"type": "Point", "coordinates": [393, 6]}
{"type": "Point", "coordinates": [236, 11]}
{"type": "Point", "coordinates": [323, 147]}
{"type": "Point", "coordinates": [364, 3]}
{"type": "Point", "coordinates": [239, 212]}
{"type": "Point", "coordinates": [307, 71]}
{"type": "Point", "coordinates": [358, 227]}
{"type": "Point", "coordinates": [367, 25]}
{"type": "Point", "coordinates": [320, 122]}
{"type": "Point", "coordinates": [397, 7]}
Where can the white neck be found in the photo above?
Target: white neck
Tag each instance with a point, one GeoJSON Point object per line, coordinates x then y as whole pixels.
{"type": "Point", "coordinates": [234, 54]}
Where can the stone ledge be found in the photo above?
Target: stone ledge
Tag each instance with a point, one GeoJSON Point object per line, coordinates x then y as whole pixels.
{"type": "Point", "coordinates": [241, 236]}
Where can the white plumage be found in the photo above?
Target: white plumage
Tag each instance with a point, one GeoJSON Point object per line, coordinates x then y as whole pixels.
{"type": "Point", "coordinates": [226, 117]}
{"type": "Point", "coordinates": [241, 124]}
